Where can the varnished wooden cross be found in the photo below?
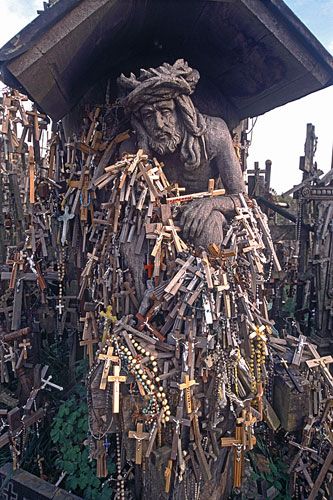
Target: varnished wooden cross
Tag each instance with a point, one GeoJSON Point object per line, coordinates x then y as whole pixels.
{"type": "Point", "coordinates": [108, 358]}
{"type": "Point", "coordinates": [243, 440]}
{"type": "Point", "coordinates": [139, 436]}
{"type": "Point", "coordinates": [237, 442]}
{"type": "Point", "coordinates": [116, 378]}
{"type": "Point", "coordinates": [186, 385]}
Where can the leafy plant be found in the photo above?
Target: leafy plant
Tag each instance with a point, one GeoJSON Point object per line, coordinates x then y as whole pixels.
{"type": "Point", "coordinates": [68, 433]}
{"type": "Point", "coordinates": [276, 473]}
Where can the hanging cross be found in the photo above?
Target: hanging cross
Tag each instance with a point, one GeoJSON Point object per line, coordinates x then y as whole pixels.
{"type": "Point", "coordinates": [60, 307]}
{"type": "Point", "coordinates": [102, 470]}
{"type": "Point", "coordinates": [248, 423]}
{"type": "Point", "coordinates": [178, 420]}
{"type": "Point", "coordinates": [186, 385]}
{"type": "Point", "coordinates": [25, 344]}
{"type": "Point", "coordinates": [237, 443]}
{"type": "Point", "coordinates": [116, 378]}
{"type": "Point", "coordinates": [108, 358]}
{"type": "Point", "coordinates": [64, 218]}
{"type": "Point", "coordinates": [139, 436]}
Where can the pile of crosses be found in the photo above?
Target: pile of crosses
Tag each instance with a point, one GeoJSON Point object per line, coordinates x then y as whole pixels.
{"type": "Point", "coordinates": [177, 338]}
{"type": "Point", "coordinates": [194, 349]}
{"type": "Point", "coordinates": [305, 373]}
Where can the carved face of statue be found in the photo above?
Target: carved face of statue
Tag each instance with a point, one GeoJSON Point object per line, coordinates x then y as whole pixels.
{"type": "Point", "coordinates": [161, 123]}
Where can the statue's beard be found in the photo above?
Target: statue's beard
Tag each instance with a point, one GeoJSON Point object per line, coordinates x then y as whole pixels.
{"type": "Point", "coordinates": [167, 143]}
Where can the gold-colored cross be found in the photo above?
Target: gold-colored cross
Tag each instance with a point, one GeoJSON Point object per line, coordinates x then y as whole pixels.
{"type": "Point", "coordinates": [116, 378]}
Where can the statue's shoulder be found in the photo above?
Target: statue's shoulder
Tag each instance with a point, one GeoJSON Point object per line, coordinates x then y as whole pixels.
{"type": "Point", "coordinates": [217, 134]}
{"type": "Point", "coordinates": [128, 146]}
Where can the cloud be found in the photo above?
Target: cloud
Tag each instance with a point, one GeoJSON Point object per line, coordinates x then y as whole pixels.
{"type": "Point", "coordinates": [15, 15]}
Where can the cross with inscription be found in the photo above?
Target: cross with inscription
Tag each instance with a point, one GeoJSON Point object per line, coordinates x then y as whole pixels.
{"type": "Point", "coordinates": [116, 378]}
{"type": "Point", "coordinates": [139, 436]}
{"type": "Point", "coordinates": [186, 385]}
{"type": "Point", "coordinates": [108, 358]}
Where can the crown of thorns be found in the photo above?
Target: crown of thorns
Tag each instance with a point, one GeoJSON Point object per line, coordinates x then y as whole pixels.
{"type": "Point", "coordinates": [162, 83]}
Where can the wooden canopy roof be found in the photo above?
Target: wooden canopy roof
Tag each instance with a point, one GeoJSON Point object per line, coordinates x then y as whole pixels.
{"type": "Point", "coordinates": [256, 55]}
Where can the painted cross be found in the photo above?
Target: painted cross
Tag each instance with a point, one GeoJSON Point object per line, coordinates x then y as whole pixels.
{"type": "Point", "coordinates": [107, 358]}
{"type": "Point", "coordinates": [139, 436]}
{"type": "Point", "coordinates": [186, 385]}
{"type": "Point", "coordinates": [25, 344]}
{"type": "Point", "coordinates": [116, 378]}
{"type": "Point", "coordinates": [149, 267]}
{"type": "Point", "coordinates": [64, 218]}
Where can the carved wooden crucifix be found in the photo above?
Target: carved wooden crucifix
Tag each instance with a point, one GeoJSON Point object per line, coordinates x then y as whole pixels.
{"type": "Point", "coordinates": [238, 442]}
{"type": "Point", "coordinates": [178, 420]}
{"type": "Point", "coordinates": [139, 436]}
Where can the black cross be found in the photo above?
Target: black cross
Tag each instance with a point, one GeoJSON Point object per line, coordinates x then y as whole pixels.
{"type": "Point", "coordinates": [8, 492]}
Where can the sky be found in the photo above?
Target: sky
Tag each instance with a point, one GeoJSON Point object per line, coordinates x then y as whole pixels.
{"type": "Point", "coordinates": [278, 135]}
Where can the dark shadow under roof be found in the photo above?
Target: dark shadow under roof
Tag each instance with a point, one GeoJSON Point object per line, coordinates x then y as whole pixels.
{"type": "Point", "coordinates": [257, 54]}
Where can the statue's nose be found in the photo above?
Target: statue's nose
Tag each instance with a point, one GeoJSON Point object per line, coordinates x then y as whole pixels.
{"type": "Point", "coordinates": [159, 120]}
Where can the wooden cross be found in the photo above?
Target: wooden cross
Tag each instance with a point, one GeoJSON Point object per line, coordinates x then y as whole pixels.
{"type": "Point", "coordinates": [108, 358]}
{"type": "Point", "coordinates": [88, 343]}
{"type": "Point", "coordinates": [321, 475]}
{"type": "Point", "coordinates": [242, 441]}
{"type": "Point", "coordinates": [102, 470]}
{"type": "Point", "coordinates": [178, 420]}
{"type": "Point", "coordinates": [248, 422]}
{"type": "Point", "coordinates": [25, 344]}
{"type": "Point", "coordinates": [186, 385]}
{"type": "Point", "coordinates": [322, 363]}
{"type": "Point", "coordinates": [237, 442]}
{"type": "Point", "coordinates": [116, 378]}
{"type": "Point", "coordinates": [139, 436]}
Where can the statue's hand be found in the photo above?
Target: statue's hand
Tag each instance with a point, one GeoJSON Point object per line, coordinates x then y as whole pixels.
{"type": "Point", "coordinates": [194, 217]}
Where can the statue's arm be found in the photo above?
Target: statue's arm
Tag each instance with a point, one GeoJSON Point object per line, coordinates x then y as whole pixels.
{"type": "Point", "coordinates": [226, 163]}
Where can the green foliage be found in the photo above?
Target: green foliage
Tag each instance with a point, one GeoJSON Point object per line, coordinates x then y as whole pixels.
{"type": "Point", "coordinates": [68, 433]}
{"type": "Point", "coordinates": [277, 471]}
